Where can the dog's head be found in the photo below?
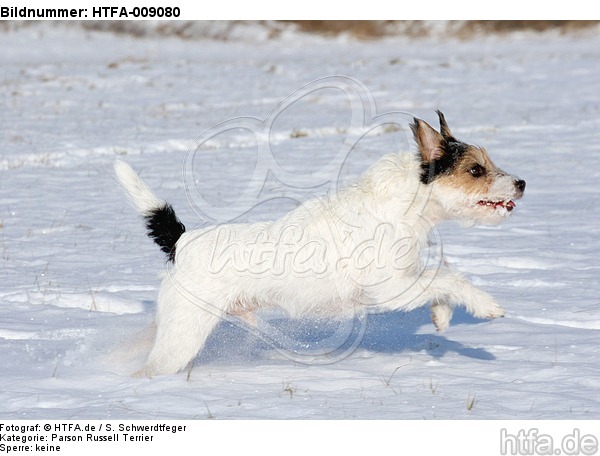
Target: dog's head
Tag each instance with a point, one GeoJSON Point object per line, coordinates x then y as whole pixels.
{"type": "Point", "coordinates": [465, 183]}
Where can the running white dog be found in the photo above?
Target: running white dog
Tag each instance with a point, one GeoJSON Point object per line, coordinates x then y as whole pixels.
{"type": "Point", "coordinates": [359, 249]}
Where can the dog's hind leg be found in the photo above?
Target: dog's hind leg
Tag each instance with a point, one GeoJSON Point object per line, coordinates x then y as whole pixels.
{"type": "Point", "coordinates": [182, 329]}
{"type": "Point", "coordinates": [177, 342]}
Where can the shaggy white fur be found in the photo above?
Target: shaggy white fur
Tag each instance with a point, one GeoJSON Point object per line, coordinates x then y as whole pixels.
{"type": "Point", "coordinates": [353, 251]}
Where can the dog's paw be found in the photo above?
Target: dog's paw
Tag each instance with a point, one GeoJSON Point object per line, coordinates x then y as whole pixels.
{"type": "Point", "coordinates": [441, 314]}
{"type": "Point", "coordinates": [488, 308]}
{"type": "Point", "coordinates": [496, 312]}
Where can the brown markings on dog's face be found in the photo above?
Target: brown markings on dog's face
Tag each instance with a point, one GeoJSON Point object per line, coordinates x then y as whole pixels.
{"type": "Point", "coordinates": [466, 182]}
{"type": "Point", "coordinates": [477, 191]}
{"type": "Point", "coordinates": [474, 172]}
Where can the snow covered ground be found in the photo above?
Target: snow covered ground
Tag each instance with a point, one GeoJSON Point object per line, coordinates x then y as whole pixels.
{"type": "Point", "coordinates": [79, 276]}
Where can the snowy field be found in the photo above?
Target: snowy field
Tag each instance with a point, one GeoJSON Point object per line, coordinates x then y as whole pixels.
{"type": "Point", "coordinates": [80, 278]}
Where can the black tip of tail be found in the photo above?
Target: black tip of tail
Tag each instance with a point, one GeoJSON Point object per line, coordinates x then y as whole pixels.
{"type": "Point", "coordinates": [165, 228]}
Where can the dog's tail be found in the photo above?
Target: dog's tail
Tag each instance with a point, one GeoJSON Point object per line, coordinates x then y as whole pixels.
{"type": "Point", "coordinates": [163, 225]}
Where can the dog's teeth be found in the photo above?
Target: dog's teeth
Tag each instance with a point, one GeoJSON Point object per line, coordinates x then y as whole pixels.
{"type": "Point", "coordinates": [509, 205]}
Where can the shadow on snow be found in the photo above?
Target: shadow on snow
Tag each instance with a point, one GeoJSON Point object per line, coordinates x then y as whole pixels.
{"type": "Point", "coordinates": [322, 342]}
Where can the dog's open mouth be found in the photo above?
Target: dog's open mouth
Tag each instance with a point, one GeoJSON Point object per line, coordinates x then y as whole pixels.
{"type": "Point", "coordinates": [508, 205]}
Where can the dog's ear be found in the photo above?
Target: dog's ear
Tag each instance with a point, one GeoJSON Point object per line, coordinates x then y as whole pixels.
{"type": "Point", "coordinates": [430, 142]}
{"type": "Point", "coordinates": [444, 129]}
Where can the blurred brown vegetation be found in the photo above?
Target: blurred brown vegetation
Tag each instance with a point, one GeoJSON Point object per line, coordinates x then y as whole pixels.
{"type": "Point", "coordinates": [461, 29]}
{"type": "Point", "coordinates": [265, 30]}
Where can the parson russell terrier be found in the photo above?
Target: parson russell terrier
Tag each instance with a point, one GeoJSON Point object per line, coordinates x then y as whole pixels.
{"type": "Point", "coordinates": [357, 250]}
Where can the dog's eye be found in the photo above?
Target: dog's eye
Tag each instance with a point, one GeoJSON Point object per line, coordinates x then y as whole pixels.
{"type": "Point", "coordinates": [477, 171]}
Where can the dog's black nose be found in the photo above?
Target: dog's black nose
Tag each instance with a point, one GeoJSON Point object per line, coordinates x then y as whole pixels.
{"type": "Point", "coordinates": [520, 184]}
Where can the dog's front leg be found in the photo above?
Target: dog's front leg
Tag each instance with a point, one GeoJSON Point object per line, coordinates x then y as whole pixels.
{"type": "Point", "coordinates": [446, 288]}
{"type": "Point", "coordinates": [443, 288]}
{"type": "Point", "coordinates": [441, 311]}
{"type": "Point", "coordinates": [441, 314]}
